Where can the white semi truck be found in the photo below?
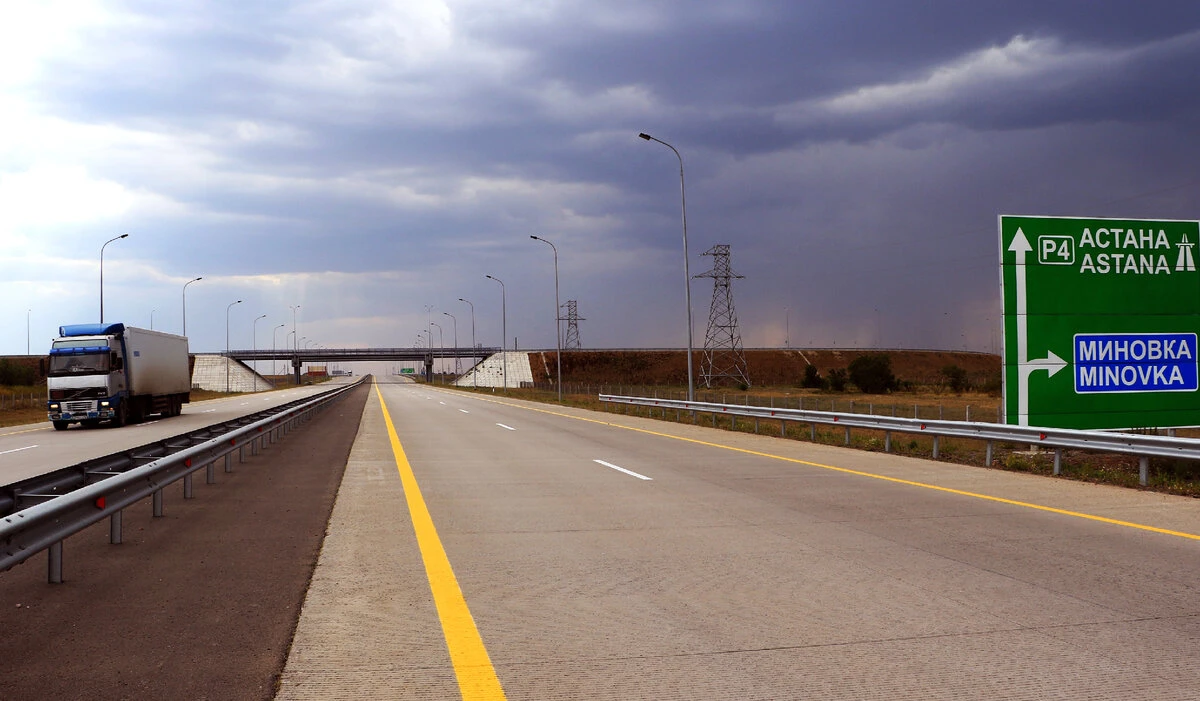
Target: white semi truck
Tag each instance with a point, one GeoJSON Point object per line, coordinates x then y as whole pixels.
{"type": "Point", "coordinates": [115, 373]}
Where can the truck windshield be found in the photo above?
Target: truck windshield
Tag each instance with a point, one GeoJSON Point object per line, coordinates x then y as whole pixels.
{"type": "Point", "coordinates": [82, 364]}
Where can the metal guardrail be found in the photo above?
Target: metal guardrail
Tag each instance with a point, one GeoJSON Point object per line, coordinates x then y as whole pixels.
{"type": "Point", "coordinates": [45, 526]}
{"type": "Point", "coordinates": [1143, 446]}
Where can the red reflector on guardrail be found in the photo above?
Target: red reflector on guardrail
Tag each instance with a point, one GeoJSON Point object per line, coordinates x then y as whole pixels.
{"type": "Point", "coordinates": [100, 502]}
{"type": "Point", "coordinates": [187, 463]}
{"type": "Point", "coordinates": [1043, 436]}
{"type": "Point", "coordinates": [922, 427]}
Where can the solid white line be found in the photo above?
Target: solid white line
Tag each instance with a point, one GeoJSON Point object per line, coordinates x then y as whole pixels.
{"type": "Point", "coordinates": [464, 411]}
{"type": "Point", "coordinates": [17, 450]}
{"type": "Point", "coordinates": [442, 403]}
{"type": "Point", "coordinates": [621, 469]}
{"type": "Point", "coordinates": [508, 427]}
{"type": "Point", "coordinates": [208, 411]}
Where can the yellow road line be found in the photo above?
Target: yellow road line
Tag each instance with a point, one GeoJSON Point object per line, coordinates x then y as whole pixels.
{"type": "Point", "coordinates": [859, 473]}
{"type": "Point", "coordinates": [477, 680]}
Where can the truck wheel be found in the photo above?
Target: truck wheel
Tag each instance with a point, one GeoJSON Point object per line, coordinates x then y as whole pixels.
{"type": "Point", "coordinates": [60, 425]}
{"type": "Point", "coordinates": [121, 417]}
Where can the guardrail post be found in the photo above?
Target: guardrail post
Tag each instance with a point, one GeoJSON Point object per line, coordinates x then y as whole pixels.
{"type": "Point", "coordinates": [915, 412]}
{"type": "Point", "coordinates": [187, 486]}
{"type": "Point", "coordinates": [812, 428]}
{"type": "Point", "coordinates": [54, 563]}
{"type": "Point", "coordinates": [847, 435]}
{"type": "Point", "coordinates": [158, 503]}
{"type": "Point", "coordinates": [988, 457]}
{"type": "Point", "coordinates": [1058, 461]}
{"type": "Point", "coordinates": [887, 441]}
{"type": "Point", "coordinates": [114, 527]}
{"type": "Point", "coordinates": [782, 428]}
{"type": "Point", "coordinates": [756, 424]}
{"type": "Point", "coordinates": [935, 447]}
{"type": "Point", "coordinates": [229, 461]}
{"type": "Point", "coordinates": [242, 453]}
{"type": "Point", "coordinates": [210, 474]}
{"type": "Point", "coordinates": [1143, 470]}
{"type": "Point", "coordinates": [968, 412]}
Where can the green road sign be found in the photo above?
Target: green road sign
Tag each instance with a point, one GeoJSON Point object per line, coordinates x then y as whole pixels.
{"type": "Point", "coordinates": [1100, 322]}
{"type": "Point", "coordinates": [408, 371]}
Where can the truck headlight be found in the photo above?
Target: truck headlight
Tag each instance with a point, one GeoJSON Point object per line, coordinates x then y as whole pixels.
{"type": "Point", "coordinates": [104, 403]}
{"type": "Point", "coordinates": [54, 406]}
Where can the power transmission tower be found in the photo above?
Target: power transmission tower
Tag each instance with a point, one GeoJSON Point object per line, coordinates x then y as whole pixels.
{"type": "Point", "coordinates": [724, 359]}
{"type": "Point", "coordinates": [572, 318]}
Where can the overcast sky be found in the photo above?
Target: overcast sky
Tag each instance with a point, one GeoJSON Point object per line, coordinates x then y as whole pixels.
{"type": "Point", "coordinates": [367, 159]}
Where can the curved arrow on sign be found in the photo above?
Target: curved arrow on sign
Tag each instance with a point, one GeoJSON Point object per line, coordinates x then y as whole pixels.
{"type": "Point", "coordinates": [1025, 367]}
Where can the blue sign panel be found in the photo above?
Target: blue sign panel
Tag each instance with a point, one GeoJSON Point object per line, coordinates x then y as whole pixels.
{"type": "Point", "coordinates": [1136, 362]}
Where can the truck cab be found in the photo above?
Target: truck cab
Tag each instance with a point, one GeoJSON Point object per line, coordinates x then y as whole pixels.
{"type": "Point", "coordinates": [86, 379]}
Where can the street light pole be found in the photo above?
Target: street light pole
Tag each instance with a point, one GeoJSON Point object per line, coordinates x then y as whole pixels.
{"type": "Point", "coordinates": [227, 343]}
{"type": "Point", "coordinates": [115, 238]}
{"type": "Point", "coordinates": [557, 316]}
{"type": "Point", "coordinates": [687, 276]}
{"type": "Point", "coordinates": [474, 370]}
{"type": "Point", "coordinates": [441, 343]}
{"type": "Point", "coordinates": [185, 285]}
{"type": "Point", "coordinates": [457, 364]}
{"type": "Point", "coordinates": [254, 346]}
{"type": "Point", "coordinates": [503, 329]}
{"type": "Point", "coordinates": [27, 313]}
{"type": "Point", "coordinates": [295, 346]}
{"type": "Point", "coordinates": [275, 365]}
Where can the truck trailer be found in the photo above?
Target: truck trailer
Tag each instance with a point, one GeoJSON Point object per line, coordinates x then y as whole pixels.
{"type": "Point", "coordinates": [115, 373]}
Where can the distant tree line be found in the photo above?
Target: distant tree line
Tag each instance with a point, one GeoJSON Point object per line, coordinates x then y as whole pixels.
{"type": "Point", "coordinates": [871, 373]}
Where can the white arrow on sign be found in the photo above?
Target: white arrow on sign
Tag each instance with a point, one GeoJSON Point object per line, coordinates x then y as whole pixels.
{"type": "Point", "coordinates": [1025, 367]}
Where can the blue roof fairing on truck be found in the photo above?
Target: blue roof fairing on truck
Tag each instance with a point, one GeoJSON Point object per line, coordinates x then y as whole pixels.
{"type": "Point", "coordinates": [90, 329]}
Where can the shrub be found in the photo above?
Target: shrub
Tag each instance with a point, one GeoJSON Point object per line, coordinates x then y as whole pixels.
{"type": "Point", "coordinates": [872, 373]}
{"type": "Point", "coordinates": [837, 380]}
{"type": "Point", "coordinates": [12, 373]}
{"type": "Point", "coordinates": [812, 378]}
{"type": "Point", "coordinates": [957, 378]}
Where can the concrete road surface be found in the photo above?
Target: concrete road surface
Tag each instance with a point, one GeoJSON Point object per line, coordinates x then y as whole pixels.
{"type": "Point", "coordinates": [492, 548]}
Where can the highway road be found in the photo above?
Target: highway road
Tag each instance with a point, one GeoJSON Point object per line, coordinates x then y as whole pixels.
{"type": "Point", "coordinates": [498, 548]}
{"type": "Point", "coordinates": [35, 449]}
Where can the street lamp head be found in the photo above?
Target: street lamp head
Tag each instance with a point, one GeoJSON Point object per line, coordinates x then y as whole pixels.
{"type": "Point", "coordinates": [534, 237]}
{"type": "Point", "coordinates": [489, 277]}
{"type": "Point", "coordinates": [123, 236]}
{"type": "Point", "coordinates": [645, 136]}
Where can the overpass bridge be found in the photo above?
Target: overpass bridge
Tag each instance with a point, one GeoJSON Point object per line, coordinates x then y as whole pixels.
{"type": "Point", "coordinates": [298, 357]}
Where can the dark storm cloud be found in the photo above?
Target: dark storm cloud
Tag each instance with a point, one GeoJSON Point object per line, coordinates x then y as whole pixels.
{"type": "Point", "coordinates": [854, 154]}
